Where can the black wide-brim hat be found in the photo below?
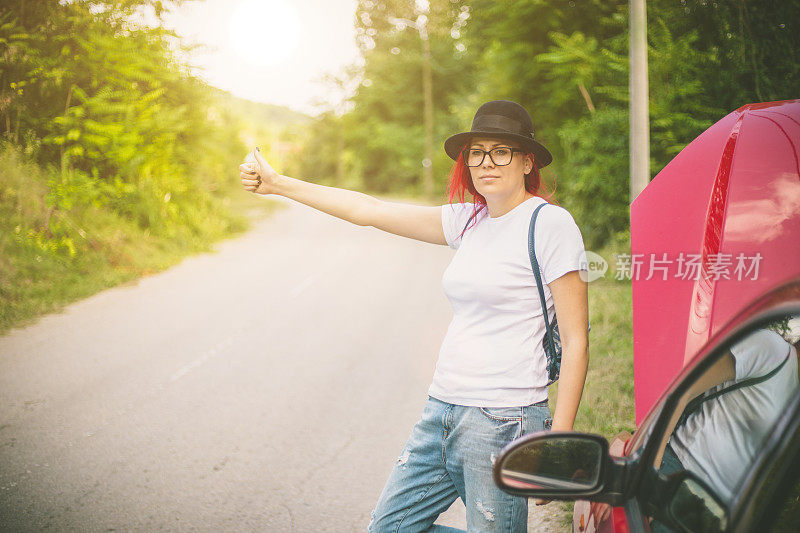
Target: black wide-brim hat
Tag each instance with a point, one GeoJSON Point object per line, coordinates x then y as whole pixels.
{"type": "Point", "coordinates": [501, 119]}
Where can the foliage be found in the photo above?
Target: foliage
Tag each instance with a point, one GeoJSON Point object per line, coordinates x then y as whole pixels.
{"type": "Point", "coordinates": [379, 142]}
{"type": "Point", "coordinates": [539, 53]}
{"type": "Point", "coordinates": [50, 257]}
{"type": "Point", "coordinates": [594, 185]}
{"type": "Point", "coordinates": [750, 50]}
{"type": "Point", "coordinates": [567, 63]}
{"type": "Point", "coordinates": [105, 100]}
{"type": "Point", "coordinates": [679, 107]}
{"type": "Point", "coordinates": [109, 149]}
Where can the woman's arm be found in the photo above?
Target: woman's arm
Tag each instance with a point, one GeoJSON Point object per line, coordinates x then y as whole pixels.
{"type": "Point", "coordinates": [570, 297]}
{"type": "Point", "coordinates": [415, 222]}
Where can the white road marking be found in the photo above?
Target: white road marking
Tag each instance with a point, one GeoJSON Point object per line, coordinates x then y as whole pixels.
{"type": "Point", "coordinates": [213, 352]}
{"type": "Point", "coordinates": [296, 291]}
{"type": "Point", "coordinates": [306, 283]}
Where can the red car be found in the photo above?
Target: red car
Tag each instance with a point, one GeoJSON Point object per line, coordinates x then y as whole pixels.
{"type": "Point", "coordinates": [715, 265]}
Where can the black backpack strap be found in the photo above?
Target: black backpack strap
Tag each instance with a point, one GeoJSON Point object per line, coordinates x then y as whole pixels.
{"type": "Point", "coordinates": [537, 275]}
{"type": "Point", "coordinates": [696, 402]}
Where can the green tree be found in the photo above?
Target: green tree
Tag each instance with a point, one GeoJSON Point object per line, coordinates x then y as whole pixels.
{"type": "Point", "coordinates": [381, 137]}
{"type": "Point", "coordinates": [105, 100]}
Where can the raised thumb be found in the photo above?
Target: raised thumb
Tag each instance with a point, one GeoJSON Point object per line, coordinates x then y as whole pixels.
{"type": "Point", "coordinates": [260, 158]}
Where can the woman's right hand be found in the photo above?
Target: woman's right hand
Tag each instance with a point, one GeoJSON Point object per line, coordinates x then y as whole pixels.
{"type": "Point", "coordinates": [257, 175]}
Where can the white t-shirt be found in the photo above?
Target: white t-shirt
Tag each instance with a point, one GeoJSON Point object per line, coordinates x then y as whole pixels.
{"type": "Point", "coordinates": [492, 354]}
{"type": "Point", "coordinates": [718, 441]}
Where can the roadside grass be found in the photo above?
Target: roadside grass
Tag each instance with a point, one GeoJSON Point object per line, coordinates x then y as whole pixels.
{"type": "Point", "coordinates": [607, 406]}
{"type": "Point", "coordinates": [50, 257]}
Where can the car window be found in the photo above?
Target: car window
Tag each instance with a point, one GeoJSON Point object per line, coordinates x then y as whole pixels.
{"type": "Point", "coordinates": [723, 419]}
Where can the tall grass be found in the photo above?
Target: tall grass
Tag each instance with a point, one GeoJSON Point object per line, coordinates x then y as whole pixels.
{"type": "Point", "coordinates": [54, 252]}
{"type": "Point", "coordinates": [607, 406]}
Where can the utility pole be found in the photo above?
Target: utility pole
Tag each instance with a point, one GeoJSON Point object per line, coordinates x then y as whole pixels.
{"type": "Point", "coordinates": [639, 102]}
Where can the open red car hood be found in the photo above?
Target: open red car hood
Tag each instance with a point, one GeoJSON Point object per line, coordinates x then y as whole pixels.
{"type": "Point", "coordinates": [716, 228]}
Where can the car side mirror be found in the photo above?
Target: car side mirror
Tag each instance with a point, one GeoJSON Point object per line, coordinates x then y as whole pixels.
{"type": "Point", "coordinates": [553, 465]}
{"type": "Point", "coordinates": [692, 506]}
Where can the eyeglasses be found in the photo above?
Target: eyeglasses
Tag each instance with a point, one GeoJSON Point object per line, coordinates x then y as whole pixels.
{"type": "Point", "coordinates": [500, 156]}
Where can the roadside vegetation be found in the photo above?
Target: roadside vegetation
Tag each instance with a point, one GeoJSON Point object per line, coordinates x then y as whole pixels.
{"type": "Point", "coordinates": [607, 405]}
{"type": "Point", "coordinates": [53, 254]}
{"type": "Point", "coordinates": [115, 162]}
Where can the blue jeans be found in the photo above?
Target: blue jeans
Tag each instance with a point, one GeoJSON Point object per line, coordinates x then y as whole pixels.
{"type": "Point", "coordinates": [450, 454]}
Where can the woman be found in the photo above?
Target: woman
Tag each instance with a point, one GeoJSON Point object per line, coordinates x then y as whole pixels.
{"type": "Point", "coordinates": [490, 383]}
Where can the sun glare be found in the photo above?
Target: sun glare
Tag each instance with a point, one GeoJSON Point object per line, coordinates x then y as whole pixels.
{"type": "Point", "coordinates": [264, 32]}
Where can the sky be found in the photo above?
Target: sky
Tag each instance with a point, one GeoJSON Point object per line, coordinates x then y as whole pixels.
{"type": "Point", "coordinates": [270, 51]}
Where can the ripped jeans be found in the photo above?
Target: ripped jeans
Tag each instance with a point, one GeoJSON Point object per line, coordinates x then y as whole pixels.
{"type": "Point", "coordinates": [450, 454]}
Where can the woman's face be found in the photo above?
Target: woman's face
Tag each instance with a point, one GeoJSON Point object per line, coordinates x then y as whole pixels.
{"type": "Point", "coordinates": [492, 180]}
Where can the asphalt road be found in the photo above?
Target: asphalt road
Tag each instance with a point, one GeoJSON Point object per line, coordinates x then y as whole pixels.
{"type": "Point", "coordinates": [269, 386]}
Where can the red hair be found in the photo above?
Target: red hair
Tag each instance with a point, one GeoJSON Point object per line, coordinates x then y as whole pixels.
{"type": "Point", "coordinates": [460, 181]}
